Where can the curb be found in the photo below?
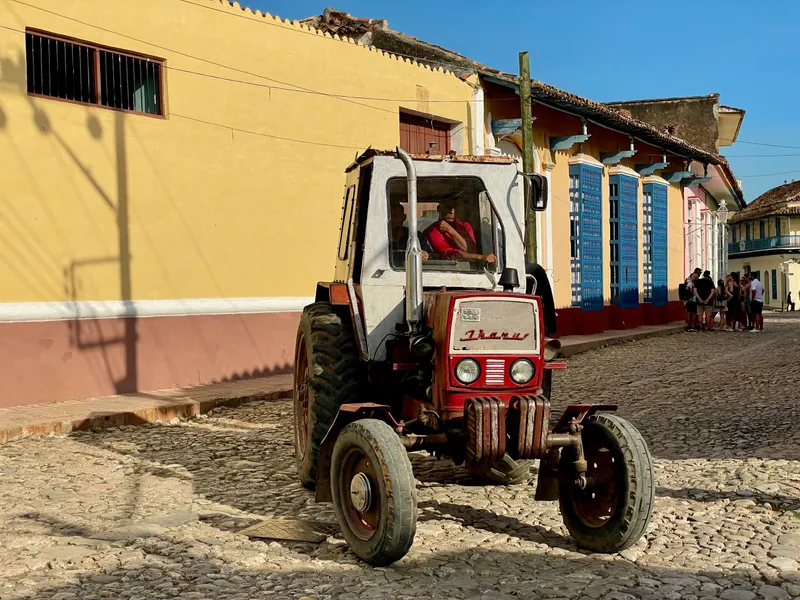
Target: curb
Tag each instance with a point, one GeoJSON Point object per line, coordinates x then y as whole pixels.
{"type": "Point", "coordinates": [579, 347]}
{"type": "Point", "coordinates": [184, 408]}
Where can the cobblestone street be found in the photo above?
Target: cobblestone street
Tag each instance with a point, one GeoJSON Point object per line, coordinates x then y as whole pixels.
{"type": "Point", "coordinates": [153, 512]}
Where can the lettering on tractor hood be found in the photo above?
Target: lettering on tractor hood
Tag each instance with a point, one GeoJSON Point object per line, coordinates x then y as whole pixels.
{"type": "Point", "coordinates": [471, 335]}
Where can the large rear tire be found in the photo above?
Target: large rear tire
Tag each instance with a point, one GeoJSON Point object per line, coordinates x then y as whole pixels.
{"type": "Point", "coordinates": [327, 375]}
{"type": "Point", "coordinates": [613, 514]}
{"type": "Point", "coordinates": [374, 492]}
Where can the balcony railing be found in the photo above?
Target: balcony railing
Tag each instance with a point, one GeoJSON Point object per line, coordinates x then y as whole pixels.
{"type": "Point", "coordinates": [780, 241]}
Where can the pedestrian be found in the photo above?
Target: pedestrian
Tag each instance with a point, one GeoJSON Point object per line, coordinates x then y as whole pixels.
{"type": "Point", "coordinates": [757, 303]}
{"type": "Point", "coordinates": [689, 300]}
{"type": "Point", "coordinates": [734, 303]}
{"type": "Point", "coordinates": [705, 292]}
{"type": "Point", "coordinates": [789, 303]}
{"type": "Point", "coordinates": [746, 318]}
{"type": "Point", "coordinates": [721, 304]}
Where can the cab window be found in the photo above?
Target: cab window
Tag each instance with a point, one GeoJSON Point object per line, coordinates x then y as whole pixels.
{"type": "Point", "coordinates": [457, 226]}
{"type": "Point", "coordinates": [347, 222]}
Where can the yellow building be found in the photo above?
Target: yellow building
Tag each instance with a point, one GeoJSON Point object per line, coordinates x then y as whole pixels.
{"type": "Point", "coordinates": [764, 238]}
{"type": "Point", "coordinates": [171, 193]}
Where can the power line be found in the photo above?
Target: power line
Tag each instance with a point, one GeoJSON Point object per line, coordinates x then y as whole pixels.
{"type": "Point", "coordinates": [763, 144]}
{"type": "Point", "coordinates": [758, 155]}
{"type": "Point", "coordinates": [267, 135]}
{"type": "Point", "coordinates": [769, 174]}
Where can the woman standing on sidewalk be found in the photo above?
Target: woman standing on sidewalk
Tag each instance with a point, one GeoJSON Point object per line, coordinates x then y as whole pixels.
{"type": "Point", "coordinates": [721, 304]}
{"type": "Point", "coordinates": [734, 302]}
{"type": "Point", "coordinates": [745, 295]}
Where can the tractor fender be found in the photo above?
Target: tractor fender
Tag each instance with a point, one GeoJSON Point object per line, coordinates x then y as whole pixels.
{"type": "Point", "coordinates": [535, 274]}
{"type": "Point", "coordinates": [579, 412]}
{"type": "Point", "coordinates": [332, 292]}
{"type": "Point", "coordinates": [347, 414]}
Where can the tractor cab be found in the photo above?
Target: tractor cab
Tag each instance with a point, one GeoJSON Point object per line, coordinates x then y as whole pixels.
{"type": "Point", "coordinates": [468, 229]}
{"type": "Point", "coordinates": [433, 336]}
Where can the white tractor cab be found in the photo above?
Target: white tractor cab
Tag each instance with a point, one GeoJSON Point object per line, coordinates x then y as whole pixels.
{"type": "Point", "coordinates": [425, 340]}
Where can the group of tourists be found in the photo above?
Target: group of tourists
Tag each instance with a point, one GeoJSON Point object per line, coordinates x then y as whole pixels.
{"type": "Point", "coordinates": [737, 301]}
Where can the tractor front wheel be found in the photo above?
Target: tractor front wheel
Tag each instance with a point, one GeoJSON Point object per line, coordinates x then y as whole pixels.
{"type": "Point", "coordinates": [374, 492]}
{"type": "Point", "coordinates": [612, 513]}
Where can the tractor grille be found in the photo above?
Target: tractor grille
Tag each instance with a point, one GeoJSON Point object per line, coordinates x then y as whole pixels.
{"type": "Point", "coordinates": [495, 371]}
{"type": "Point", "coordinates": [495, 326]}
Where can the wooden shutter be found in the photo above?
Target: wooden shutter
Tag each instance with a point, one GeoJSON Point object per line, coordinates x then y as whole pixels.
{"type": "Point", "coordinates": [416, 133]}
{"type": "Point", "coordinates": [590, 235]}
{"type": "Point", "coordinates": [628, 241]}
{"type": "Point", "coordinates": [659, 247]}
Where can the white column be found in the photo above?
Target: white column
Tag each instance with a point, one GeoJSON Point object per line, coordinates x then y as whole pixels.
{"type": "Point", "coordinates": [478, 120]}
{"type": "Point", "coordinates": [689, 235]}
{"type": "Point", "coordinates": [549, 226]}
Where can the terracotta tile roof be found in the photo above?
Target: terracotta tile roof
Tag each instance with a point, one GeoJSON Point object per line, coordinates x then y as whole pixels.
{"type": "Point", "coordinates": [781, 200]}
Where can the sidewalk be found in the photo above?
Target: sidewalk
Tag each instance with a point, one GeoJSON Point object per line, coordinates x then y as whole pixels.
{"type": "Point", "coordinates": [18, 423]}
{"type": "Point", "coordinates": [574, 344]}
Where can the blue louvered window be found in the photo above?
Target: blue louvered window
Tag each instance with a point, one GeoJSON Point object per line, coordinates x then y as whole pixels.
{"type": "Point", "coordinates": [774, 284]}
{"type": "Point", "coordinates": [624, 240]}
{"type": "Point", "coordinates": [586, 236]}
{"type": "Point", "coordinates": [654, 229]}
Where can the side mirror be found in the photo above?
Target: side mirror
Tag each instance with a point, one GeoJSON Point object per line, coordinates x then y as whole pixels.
{"type": "Point", "coordinates": [537, 193]}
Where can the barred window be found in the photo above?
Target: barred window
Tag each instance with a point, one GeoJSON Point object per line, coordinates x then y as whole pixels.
{"type": "Point", "coordinates": [82, 72]}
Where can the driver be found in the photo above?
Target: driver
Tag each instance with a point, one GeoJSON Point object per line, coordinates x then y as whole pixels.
{"type": "Point", "coordinates": [452, 239]}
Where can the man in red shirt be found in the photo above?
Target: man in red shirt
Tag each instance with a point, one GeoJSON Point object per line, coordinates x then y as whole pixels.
{"type": "Point", "coordinates": [453, 239]}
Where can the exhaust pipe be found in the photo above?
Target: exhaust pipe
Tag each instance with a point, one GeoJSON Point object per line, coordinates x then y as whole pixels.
{"type": "Point", "coordinates": [414, 314]}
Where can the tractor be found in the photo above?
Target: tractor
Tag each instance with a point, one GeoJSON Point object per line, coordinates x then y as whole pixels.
{"type": "Point", "coordinates": [427, 341]}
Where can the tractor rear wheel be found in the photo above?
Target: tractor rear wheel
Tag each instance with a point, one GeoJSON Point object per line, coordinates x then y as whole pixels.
{"type": "Point", "coordinates": [505, 471]}
{"type": "Point", "coordinates": [327, 374]}
{"type": "Point", "coordinates": [615, 509]}
{"type": "Point", "coordinates": [374, 492]}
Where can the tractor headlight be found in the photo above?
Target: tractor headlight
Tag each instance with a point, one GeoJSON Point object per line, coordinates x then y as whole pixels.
{"type": "Point", "coordinates": [551, 348]}
{"type": "Point", "coordinates": [468, 371]}
{"type": "Point", "coordinates": [522, 371]}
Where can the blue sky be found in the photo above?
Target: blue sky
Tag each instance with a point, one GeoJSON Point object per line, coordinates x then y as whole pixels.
{"type": "Point", "coordinates": [746, 51]}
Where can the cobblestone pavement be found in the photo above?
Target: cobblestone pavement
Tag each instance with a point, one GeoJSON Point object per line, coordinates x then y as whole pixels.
{"type": "Point", "coordinates": [152, 512]}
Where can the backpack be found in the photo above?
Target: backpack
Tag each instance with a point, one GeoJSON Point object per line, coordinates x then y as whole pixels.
{"type": "Point", "coordinates": [683, 293]}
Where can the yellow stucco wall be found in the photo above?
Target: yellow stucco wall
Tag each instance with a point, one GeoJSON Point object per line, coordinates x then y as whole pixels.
{"type": "Point", "coordinates": [231, 195]}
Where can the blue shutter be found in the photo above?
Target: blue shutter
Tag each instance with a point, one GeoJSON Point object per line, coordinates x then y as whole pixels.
{"type": "Point", "coordinates": [659, 193]}
{"type": "Point", "coordinates": [628, 241]}
{"type": "Point", "coordinates": [774, 284]}
{"type": "Point", "coordinates": [591, 237]}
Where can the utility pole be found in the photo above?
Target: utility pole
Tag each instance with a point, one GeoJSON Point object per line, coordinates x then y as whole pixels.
{"type": "Point", "coordinates": [527, 149]}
